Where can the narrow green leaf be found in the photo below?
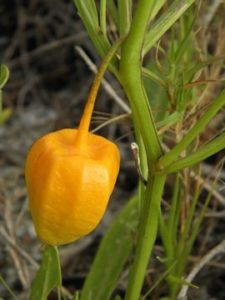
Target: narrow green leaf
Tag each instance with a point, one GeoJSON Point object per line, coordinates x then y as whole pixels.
{"type": "Point", "coordinates": [113, 12]}
{"type": "Point", "coordinates": [88, 10]}
{"type": "Point", "coordinates": [89, 15]}
{"type": "Point", "coordinates": [153, 76]}
{"type": "Point", "coordinates": [112, 254]}
{"type": "Point", "coordinates": [90, 20]}
{"type": "Point", "coordinates": [159, 280]}
{"type": "Point", "coordinates": [167, 19]}
{"type": "Point", "coordinates": [186, 245]}
{"type": "Point", "coordinates": [182, 249]}
{"type": "Point", "coordinates": [199, 155]}
{"type": "Point", "coordinates": [181, 281]}
{"type": "Point", "coordinates": [167, 160]}
{"type": "Point", "coordinates": [125, 8]}
{"type": "Point", "coordinates": [183, 46]}
{"type": "Point", "coordinates": [118, 297]}
{"type": "Point", "coordinates": [174, 216]}
{"type": "Point", "coordinates": [190, 73]}
{"type": "Point", "coordinates": [4, 75]}
{"type": "Point", "coordinates": [156, 86]}
{"type": "Point", "coordinates": [4, 115]}
{"type": "Point", "coordinates": [76, 296]}
{"type": "Point", "coordinates": [199, 218]}
{"type": "Point", "coordinates": [5, 284]}
{"type": "Point", "coordinates": [157, 6]}
{"type": "Point", "coordinates": [169, 120]}
{"type": "Point", "coordinates": [103, 24]}
{"type": "Point", "coordinates": [48, 276]}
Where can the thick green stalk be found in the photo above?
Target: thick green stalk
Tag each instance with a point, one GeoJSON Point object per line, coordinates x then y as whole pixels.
{"type": "Point", "coordinates": [146, 236]}
{"type": "Point", "coordinates": [131, 78]}
{"type": "Point", "coordinates": [130, 75]}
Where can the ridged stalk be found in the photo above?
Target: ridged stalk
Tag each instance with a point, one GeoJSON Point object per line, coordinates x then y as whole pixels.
{"type": "Point", "coordinates": [131, 78]}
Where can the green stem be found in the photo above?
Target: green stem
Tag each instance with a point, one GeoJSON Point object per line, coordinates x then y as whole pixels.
{"type": "Point", "coordinates": [147, 235]}
{"type": "Point", "coordinates": [48, 276]}
{"type": "Point", "coordinates": [0, 101]}
{"type": "Point", "coordinates": [6, 286]}
{"type": "Point", "coordinates": [131, 77]}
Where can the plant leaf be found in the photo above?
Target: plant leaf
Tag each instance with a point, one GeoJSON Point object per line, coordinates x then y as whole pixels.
{"type": "Point", "coordinates": [170, 157]}
{"type": "Point", "coordinates": [125, 13]}
{"type": "Point", "coordinates": [76, 296]}
{"type": "Point", "coordinates": [89, 15]}
{"type": "Point", "coordinates": [48, 276]}
{"type": "Point", "coordinates": [190, 73]}
{"type": "Point", "coordinates": [4, 115]}
{"type": "Point", "coordinates": [4, 75]}
{"type": "Point", "coordinates": [165, 21]}
{"type": "Point", "coordinates": [205, 151]}
{"type": "Point", "coordinates": [112, 254]}
{"type": "Point", "coordinates": [118, 297]}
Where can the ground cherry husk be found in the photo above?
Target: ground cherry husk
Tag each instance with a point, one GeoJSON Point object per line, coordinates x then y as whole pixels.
{"type": "Point", "coordinates": [69, 188]}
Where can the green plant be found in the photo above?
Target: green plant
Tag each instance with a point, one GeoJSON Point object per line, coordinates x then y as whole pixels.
{"type": "Point", "coordinates": [4, 76]}
{"type": "Point", "coordinates": [164, 94]}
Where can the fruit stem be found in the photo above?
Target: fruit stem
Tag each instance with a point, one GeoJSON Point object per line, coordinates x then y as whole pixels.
{"type": "Point", "coordinates": [84, 125]}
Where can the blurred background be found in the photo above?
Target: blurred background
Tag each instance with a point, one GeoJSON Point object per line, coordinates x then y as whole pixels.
{"type": "Point", "coordinates": [48, 85]}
